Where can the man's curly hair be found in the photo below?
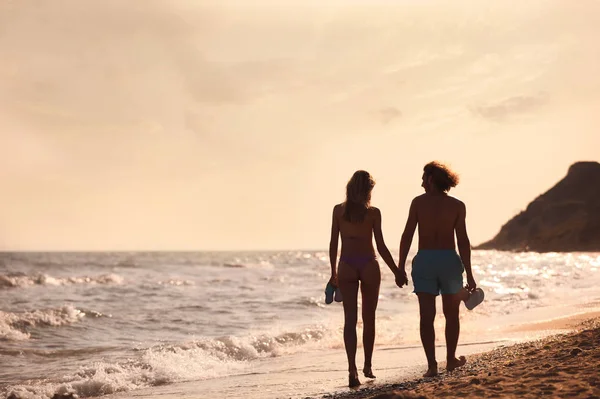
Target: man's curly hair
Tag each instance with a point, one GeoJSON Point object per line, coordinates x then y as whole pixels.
{"type": "Point", "coordinates": [443, 177]}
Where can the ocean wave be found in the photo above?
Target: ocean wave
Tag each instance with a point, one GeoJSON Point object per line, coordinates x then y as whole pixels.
{"type": "Point", "coordinates": [21, 280]}
{"type": "Point", "coordinates": [307, 302]}
{"type": "Point", "coordinates": [154, 369]}
{"type": "Point", "coordinates": [159, 365]}
{"type": "Point", "coordinates": [234, 265]}
{"type": "Point", "coordinates": [253, 347]}
{"type": "Point", "coordinates": [176, 282]}
{"type": "Point", "coordinates": [16, 326]}
{"type": "Point", "coordinates": [248, 265]}
{"type": "Point", "coordinates": [55, 353]}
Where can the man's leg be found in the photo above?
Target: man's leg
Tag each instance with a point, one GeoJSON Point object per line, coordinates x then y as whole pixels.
{"type": "Point", "coordinates": [451, 303]}
{"type": "Point", "coordinates": [427, 313]}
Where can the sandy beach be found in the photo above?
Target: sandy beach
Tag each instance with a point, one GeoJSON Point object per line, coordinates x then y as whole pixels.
{"type": "Point", "coordinates": [562, 365]}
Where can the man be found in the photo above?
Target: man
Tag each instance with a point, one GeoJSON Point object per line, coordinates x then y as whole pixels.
{"type": "Point", "coordinates": [437, 268]}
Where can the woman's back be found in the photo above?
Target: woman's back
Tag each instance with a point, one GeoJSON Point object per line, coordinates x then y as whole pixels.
{"type": "Point", "coordinates": [357, 237]}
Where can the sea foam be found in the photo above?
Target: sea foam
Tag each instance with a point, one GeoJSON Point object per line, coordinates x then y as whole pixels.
{"type": "Point", "coordinates": [15, 326]}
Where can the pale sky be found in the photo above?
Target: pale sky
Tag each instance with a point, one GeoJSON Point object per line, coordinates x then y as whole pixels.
{"type": "Point", "coordinates": [194, 125]}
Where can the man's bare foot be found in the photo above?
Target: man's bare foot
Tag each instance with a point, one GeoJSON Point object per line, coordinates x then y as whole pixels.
{"type": "Point", "coordinates": [455, 363]}
{"type": "Point", "coordinates": [432, 371]}
{"type": "Point", "coordinates": [368, 372]}
{"type": "Point", "coordinates": [353, 380]}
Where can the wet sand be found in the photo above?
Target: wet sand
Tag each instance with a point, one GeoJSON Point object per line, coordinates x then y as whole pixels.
{"type": "Point", "coordinates": [564, 365]}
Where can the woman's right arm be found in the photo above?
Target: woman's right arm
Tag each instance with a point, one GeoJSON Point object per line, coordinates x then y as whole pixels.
{"type": "Point", "coordinates": [407, 235]}
{"type": "Point", "coordinates": [333, 245]}
{"type": "Point", "coordinates": [381, 247]}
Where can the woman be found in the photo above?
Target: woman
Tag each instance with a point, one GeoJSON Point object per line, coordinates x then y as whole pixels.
{"type": "Point", "coordinates": [356, 221]}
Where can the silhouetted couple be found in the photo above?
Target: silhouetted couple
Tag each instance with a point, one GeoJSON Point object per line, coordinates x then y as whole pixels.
{"type": "Point", "coordinates": [436, 268]}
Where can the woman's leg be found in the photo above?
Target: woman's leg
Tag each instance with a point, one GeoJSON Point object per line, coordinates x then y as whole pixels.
{"type": "Point", "coordinates": [348, 284]}
{"type": "Point", "coordinates": [370, 277]}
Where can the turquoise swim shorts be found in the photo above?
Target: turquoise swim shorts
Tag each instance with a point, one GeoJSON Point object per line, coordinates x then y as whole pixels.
{"type": "Point", "coordinates": [436, 271]}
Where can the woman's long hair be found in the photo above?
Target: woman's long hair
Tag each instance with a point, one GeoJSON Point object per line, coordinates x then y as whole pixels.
{"type": "Point", "coordinates": [358, 196]}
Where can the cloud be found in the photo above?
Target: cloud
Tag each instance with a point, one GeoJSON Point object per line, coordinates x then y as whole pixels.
{"type": "Point", "coordinates": [115, 64]}
{"type": "Point", "coordinates": [388, 114]}
{"type": "Point", "coordinates": [509, 107]}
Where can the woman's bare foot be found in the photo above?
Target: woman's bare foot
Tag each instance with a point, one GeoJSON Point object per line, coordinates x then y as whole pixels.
{"type": "Point", "coordinates": [455, 363]}
{"type": "Point", "coordinates": [368, 372]}
{"type": "Point", "coordinates": [353, 380]}
{"type": "Point", "coordinates": [432, 371]}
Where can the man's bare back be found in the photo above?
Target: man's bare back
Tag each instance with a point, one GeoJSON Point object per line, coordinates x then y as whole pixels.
{"type": "Point", "coordinates": [437, 218]}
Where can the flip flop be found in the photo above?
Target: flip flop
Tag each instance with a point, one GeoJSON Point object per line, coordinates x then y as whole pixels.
{"type": "Point", "coordinates": [329, 291]}
{"type": "Point", "coordinates": [338, 295]}
{"type": "Point", "coordinates": [475, 299]}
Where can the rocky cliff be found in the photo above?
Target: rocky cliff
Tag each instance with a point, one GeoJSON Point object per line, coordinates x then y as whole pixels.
{"type": "Point", "coordinates": [565, 218]}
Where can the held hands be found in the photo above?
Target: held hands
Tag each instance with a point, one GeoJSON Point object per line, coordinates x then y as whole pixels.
{"type": "Point", "coordinates": [401, 278]}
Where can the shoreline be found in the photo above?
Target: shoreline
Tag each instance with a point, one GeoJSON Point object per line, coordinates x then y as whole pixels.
{"type": "Point", "coordinates": [320, 374]}
{"type": "Point", "coordinates": [564, 364]}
